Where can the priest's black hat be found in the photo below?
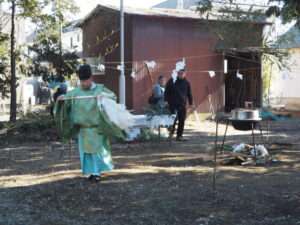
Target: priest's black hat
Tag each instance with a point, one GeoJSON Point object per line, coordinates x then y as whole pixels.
{"type": "Point", "coordinates": [85, 72]}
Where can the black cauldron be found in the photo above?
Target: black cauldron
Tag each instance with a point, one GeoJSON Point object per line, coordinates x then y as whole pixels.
{"type": "Point", "coordinates": [243, 125]}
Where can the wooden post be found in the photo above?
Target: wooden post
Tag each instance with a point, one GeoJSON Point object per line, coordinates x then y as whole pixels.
{"type": "Point", "coordinates": [151, 79]}
{"type": "Point", "coordinates": [217, 124]}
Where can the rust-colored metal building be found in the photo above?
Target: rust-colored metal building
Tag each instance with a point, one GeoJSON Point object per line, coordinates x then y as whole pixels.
{"type": "Point", "coordinates": [160, 35]}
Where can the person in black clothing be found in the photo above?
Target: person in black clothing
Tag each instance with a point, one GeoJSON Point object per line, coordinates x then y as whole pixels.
{"type": "Point", "coordinates": [61, 90]}
{"type": "Point", "coordinates": [176, 96]}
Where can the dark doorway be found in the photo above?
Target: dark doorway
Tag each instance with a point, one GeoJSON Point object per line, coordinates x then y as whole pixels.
{"type": "Point", "coordinates": [248, 87]}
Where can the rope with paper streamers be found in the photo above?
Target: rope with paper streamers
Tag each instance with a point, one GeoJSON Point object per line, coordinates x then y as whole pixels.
{"type": "Point", "coordinates": [186, 57]}
{"type": "Point", "coordinates": [211, 73]}
{"type": "Point", "coordinates": [168, 59]}
{"type": "Point", "coordinates": [179, 65]}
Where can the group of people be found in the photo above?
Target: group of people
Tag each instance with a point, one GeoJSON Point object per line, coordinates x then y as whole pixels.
{"type": "Point", "coordinates": [82, 117]}
{"type": "Point", "coordinates": [174, 96]}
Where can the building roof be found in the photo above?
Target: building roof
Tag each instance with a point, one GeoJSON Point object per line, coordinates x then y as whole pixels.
{"type": "Point", "coordinates": [173, 4]}
{"type": "Point", "coordinates": [70, 26]}
{"type": "Point", "coordinates": [290, 39]}
{"type": "Point", "coordinates": [167, 13]}
{"type": "Point", "coordinates": [152, 12]}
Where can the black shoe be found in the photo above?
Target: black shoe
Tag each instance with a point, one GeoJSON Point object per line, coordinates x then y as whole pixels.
{"type": "Point", "coordinates": [171, 129]}
{"type": "Point", "coordinates": [95, 178]}
{"type": "Point", "coordinates": [181, 139]}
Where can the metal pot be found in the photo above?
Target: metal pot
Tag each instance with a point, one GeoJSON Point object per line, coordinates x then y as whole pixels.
{"type": "Point", "coordinates": [244, 119]}
{"type": "Point", "coordinates": [244, 124]}
{"type": "Point", "coordinates": [245, 114]}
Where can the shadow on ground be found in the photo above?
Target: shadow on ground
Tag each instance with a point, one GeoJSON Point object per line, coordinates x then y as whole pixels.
{"type": "Point", "coordinates": [153, 183]}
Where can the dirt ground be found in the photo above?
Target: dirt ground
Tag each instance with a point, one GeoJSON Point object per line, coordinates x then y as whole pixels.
{"type": "Point", "coordinates": [153, 182]}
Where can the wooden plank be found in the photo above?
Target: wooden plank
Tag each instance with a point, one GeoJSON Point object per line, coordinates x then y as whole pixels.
{"type": "Point", "coordinates": [241, 155]}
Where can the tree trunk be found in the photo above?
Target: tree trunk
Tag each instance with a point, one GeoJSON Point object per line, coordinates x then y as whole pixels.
{"type": "Point", "coordinates": [13, 81]}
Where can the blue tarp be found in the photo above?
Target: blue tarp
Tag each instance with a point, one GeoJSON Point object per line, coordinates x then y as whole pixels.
{"type": "Point", "coordinates": [275, 117]}
{"type": "Point", "coordinates": [56, 84]}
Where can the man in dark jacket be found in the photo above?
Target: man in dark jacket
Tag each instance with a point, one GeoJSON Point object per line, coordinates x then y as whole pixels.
{"type": "Point", "coordinates": [176, 96]}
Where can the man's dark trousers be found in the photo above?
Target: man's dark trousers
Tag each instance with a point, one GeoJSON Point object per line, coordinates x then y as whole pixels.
{"type": "Point", "coordinates": [181, 116]}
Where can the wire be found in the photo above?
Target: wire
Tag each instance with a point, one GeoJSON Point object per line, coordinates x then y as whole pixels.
{"type": "Point", "coordinates": [239, 57]}
{"type": "Point", "coordinates": [167, 59]}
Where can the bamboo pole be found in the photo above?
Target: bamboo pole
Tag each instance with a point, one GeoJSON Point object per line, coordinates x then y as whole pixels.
{"type": "Point", "coordinates": [217, 124]}
{"type": "Point", "coordinates": [78, 97]}
{"type": "Point", "coordinates": [87, 96]}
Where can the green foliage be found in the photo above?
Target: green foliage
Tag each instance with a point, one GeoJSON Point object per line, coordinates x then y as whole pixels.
{"type": "Point", "coordinates": [204, 6]}
{"type": "Point", "coordinates": [239, 29]}
{"type": "Point", "coordinates": [50, 61]}
{"type": "Point", "coordinates": [4, 59]}
{"type": "Point", "coordinates": [146, 134]}
{"type": "Point", "coordinates": [154, 110]}
{"type": "Point", "coordinates": [30, 123]}
{"type": "Point", "coordinates": [289, 11]}
{"type": "Point", "coordinates": [33, 10]}
{"type": "Point", "coordinates": [233, 27]}
{"type": "Point", "coordinates": [5, 75]}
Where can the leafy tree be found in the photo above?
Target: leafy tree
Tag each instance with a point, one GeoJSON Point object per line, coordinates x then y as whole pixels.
{"type": "Point", "coordinates": [33, 10]}
{"type": "Point", "coordinates": [288, 10]}
{"type": "Point", "coordinates": [4, 58]}
{"type": "Point", "coordinates": [234, 28]}
{"type": "Point", "coordinates": [50, 60]}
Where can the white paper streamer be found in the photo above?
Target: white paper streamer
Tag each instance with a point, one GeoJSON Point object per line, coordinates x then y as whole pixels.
{"type": "Point", "coordinates": [239, 76]}
{"type": "Point", "coordinates": [150, 64]}
{"type": "Point", "coordinates": [101, 67]}
{"type": "Point", "coordinates": [120, 67]}
{"type": "Point", "coordinates": [133, 74]}
{"type": "Point", "coordinates": [212, 73]}
{"type": "Point", "coordinates": [174, 75]}
{"type": "Point", "coordinates": [180, 65]}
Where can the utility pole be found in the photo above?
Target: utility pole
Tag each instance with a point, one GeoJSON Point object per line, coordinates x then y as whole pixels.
{"type": "Point", "coordinates": [122, 89]}
{"type": "Point", "coordinates": [180, 4]}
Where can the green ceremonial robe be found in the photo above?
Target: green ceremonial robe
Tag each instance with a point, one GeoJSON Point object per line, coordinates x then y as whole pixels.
{"type": "Point", "coordinates": [82, 117]}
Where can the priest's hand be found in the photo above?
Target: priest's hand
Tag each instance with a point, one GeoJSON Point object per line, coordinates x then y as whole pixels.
{"type": "Point", "coordinates": [60, 98]}
{"type": "Point", "coordinates": [98, 97]}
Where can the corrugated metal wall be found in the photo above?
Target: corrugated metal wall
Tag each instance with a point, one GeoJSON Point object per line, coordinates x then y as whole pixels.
{"type": "Point", "coordinates": [94, 32]}
{"type": "Point", "coordinates": [167, 41]}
